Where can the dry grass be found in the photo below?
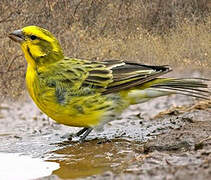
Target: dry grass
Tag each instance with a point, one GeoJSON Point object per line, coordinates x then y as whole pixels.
{"type": "Point", "coordinates": [154, 32]}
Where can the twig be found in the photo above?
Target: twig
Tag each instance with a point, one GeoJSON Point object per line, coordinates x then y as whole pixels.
{"type": "Point", "coordinates": [6, 19]}
{"type": "Point", "coordinates": [201, 143]}
{"type": "Point", "coordinates": [11, 62]}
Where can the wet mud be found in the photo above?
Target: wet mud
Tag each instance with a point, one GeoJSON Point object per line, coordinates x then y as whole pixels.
{"type": "Point", "coordinates": [166, 138]}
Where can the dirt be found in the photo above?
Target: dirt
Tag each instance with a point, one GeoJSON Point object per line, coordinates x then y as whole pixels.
{"type": "Point", "coordinates": [166, 138]}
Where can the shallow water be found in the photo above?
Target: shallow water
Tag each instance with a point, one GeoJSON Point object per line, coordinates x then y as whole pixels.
{"type": "Point", "coordinates": [93, 157]}
{"type": "Point", "coordinates": [21, 167]}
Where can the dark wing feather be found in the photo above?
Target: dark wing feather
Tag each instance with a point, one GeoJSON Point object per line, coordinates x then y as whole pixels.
{"type": "Point", "coordinates": [114, 75]}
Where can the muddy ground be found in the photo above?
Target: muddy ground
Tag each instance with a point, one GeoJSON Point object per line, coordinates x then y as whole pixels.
{"type": "Point", "coordinates": [166, 138]}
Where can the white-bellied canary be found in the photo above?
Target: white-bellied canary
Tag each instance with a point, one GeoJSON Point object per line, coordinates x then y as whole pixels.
{"type": "Point", "coordinates": [84, 93]}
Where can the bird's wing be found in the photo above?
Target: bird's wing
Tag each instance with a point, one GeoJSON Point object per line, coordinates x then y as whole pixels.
{"type": "Point", "coordinates": [105, 76]}
{"type": "Point", "coordinates": [114, 75]}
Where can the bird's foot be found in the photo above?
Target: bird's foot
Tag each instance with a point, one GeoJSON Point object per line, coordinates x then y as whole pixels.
{"type": "Point", "coordinates": [82, 134]}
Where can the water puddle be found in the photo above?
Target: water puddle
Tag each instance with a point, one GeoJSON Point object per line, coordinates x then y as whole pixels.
{"type": "Point", "coordinates": [93, 157]}
{"type": "Point", "coordinates": [21, 167]}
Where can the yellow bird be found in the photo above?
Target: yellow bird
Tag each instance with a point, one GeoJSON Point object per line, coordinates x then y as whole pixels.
{"type": "Point", "coordinates": [84, 93]}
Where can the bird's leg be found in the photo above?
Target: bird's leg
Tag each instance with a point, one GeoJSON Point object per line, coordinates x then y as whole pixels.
{"type": "Point", "coordinates": [85, 134]}
{"type": "Point", "coordinates": [81, 131]}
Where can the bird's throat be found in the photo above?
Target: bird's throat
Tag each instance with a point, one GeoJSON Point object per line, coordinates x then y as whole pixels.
{"type": "Point", "coordinates": [28, 56]}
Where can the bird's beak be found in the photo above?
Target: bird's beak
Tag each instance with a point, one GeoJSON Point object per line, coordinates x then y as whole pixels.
{"type": "Point", "coordinates": [17, 36]}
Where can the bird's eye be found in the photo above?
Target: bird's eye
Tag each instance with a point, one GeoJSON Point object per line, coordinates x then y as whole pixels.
{"type": "Point", "coordinates": [33, 37]}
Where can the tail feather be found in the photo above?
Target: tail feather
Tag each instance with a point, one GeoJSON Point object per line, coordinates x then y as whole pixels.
{"type": "Point", "coordinates": [190, 87]}
{"type": "Point", "coordinates": [185, 92]}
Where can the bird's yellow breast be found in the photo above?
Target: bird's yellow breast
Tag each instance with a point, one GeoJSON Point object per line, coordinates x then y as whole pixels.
{"type": "Point", "coordinates": [74, 113]}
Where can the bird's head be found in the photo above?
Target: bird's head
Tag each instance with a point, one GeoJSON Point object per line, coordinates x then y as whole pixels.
{"type": "Point", "coordinates": [40, 47]}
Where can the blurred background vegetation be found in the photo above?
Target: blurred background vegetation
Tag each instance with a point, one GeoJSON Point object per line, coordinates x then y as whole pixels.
{"type": "Point", "coordinates": [174, 32]}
